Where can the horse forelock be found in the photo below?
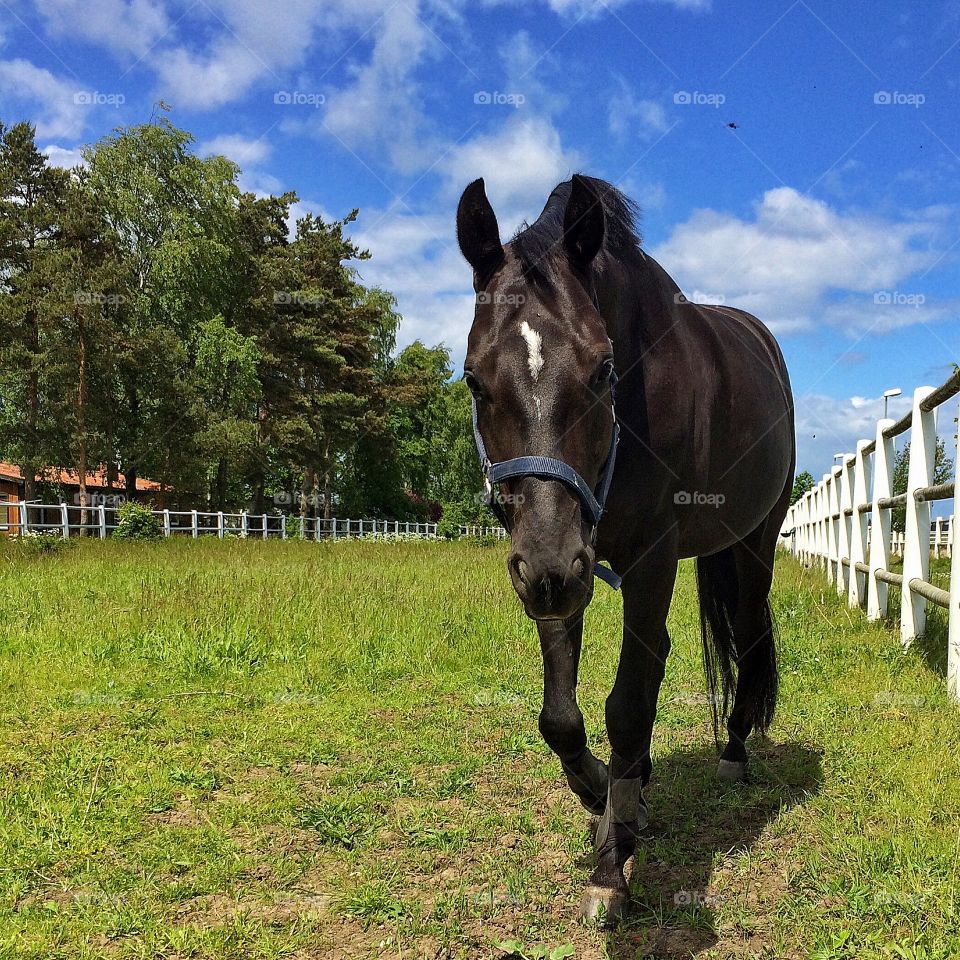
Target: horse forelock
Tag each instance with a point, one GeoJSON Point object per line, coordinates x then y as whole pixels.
{"type": "Point", "coordinates": [538, 245]}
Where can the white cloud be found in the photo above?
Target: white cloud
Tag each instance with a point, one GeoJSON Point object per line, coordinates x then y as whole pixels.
{"type": "Point", "coordinates": [382, 107]}
{"type": "Point", "coordinates": [252, 42]}
{"type": "Point", "coordinates": [417, 259]}
{"type": "Point", "coordinates": [124, 26]}
{"type": "Point", "coordinates": [521, 162]}
{"type": "Point", "coordinates": [787, 263]}
{"type": "Point", "coordinates": [53, 102]}
{"type": "Point", "coordinates": [65, 157]}
{"type": "Point", "coordinates": [828, 425]}
{"type": "Point", "coordinates": [629, 114]}
{"type": "Point", "coordinates": [241, 150]}
{"type": "Point", "coordinates": [597, 8]}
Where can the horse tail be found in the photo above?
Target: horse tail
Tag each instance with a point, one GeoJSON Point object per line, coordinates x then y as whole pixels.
{"type": "Point", "coordinates": [718, 590]}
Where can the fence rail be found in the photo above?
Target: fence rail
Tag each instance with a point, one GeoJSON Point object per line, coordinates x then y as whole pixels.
{"type": "Point", "coordinates": [18, 518]}
{"type": "Point", "coordinates": [829, 525]}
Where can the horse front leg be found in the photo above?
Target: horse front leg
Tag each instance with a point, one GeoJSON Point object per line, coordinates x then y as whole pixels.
{"type": "Point", "coordinates": [630, 713]}
{"type": "Point", "coordinates": [561, 722]}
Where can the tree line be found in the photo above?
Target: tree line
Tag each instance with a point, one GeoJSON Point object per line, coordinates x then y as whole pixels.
{"type": "Point", "coordinates": [157, 320]}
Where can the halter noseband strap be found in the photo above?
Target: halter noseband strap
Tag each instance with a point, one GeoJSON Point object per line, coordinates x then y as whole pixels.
{"type": "Point", "coordinates": [553, 469]}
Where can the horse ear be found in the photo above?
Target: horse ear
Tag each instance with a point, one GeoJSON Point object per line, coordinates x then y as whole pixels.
{"type": "Point", "coordinates": [478, 233]}
{"type": "Point", "coordinates": [582, 223]}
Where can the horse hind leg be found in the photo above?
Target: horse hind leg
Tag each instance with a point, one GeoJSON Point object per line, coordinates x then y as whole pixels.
{"type": "Point", "coordinates": [755, 641]}
{"type": "Point", "coordinates": [739, 642]}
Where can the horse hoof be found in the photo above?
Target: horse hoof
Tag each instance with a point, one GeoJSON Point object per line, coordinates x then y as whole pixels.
{"type": "Point", "coordinates": [603, 905]}
{"type": "Point", "coordinates": [734, 771]}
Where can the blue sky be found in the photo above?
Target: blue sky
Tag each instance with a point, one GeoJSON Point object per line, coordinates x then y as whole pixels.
{"type": "Point", "coordinates": [832, 210]}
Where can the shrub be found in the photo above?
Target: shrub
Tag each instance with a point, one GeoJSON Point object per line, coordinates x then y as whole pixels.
{"type": "Point", "coordinates": [137, 522]}
{"type": "Point", "coordinates": [43, 541]}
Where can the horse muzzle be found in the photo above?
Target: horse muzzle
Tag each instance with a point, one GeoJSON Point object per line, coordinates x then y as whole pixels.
{"type": "Point", "coordinates": [550, 587]}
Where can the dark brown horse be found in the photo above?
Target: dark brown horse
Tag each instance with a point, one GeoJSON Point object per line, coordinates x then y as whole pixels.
{"type": "Point", "coordinates": [704, 469]}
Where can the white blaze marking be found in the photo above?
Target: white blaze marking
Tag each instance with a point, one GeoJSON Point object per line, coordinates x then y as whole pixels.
{"type": "Point", "coordinates": [534, 349]}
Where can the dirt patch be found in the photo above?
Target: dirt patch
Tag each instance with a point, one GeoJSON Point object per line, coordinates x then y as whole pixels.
{"type": "Point", "coordinates": [216, 909]}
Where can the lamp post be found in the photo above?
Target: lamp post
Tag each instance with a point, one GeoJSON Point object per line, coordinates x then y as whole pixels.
{"type": "Point", "coordinates": [887, 394]}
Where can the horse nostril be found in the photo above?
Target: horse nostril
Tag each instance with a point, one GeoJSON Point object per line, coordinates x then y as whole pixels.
{"type": "Point", "coordinates": [523, 570]}
{"type": "Point", "coordinates": [578, 568]}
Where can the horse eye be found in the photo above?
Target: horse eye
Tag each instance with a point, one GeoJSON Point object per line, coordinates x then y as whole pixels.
{"type": "Point", "coordinates": [472, 384]}
{"type": "Point", "coordinates": [605, 371]}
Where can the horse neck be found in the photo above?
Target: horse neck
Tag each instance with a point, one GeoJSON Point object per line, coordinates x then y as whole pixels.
{"type": "Point", "coordinates": [638, 305]}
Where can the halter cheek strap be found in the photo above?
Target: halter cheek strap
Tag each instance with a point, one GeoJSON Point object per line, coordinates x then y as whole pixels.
{"type": "Point", "coordinates": [554, 469]}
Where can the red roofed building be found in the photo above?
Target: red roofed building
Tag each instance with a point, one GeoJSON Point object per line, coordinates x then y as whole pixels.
{"type": "Point", "coordinates": [12, 488]}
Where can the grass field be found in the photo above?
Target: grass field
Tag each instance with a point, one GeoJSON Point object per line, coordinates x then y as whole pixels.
{"type": "Point", "coordinates": [248, 749]}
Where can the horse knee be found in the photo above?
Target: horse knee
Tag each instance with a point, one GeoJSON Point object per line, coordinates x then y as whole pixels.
{"type": "Point", "coordinates": [563, 731]}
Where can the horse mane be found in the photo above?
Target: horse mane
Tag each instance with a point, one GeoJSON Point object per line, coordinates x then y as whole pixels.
{"type": "Point", "coordinates": [538, 244]}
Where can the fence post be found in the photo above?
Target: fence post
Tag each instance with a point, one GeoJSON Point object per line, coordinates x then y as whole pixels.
{"type": "Point", "coordinates": [102, 520]}
{"type": "Point", "coordinates": [953, 627]}
{"type": "Point", "coordinates": [833, 529]}
{"type": "Point", "coordinates": [916, 543]}
{"type": "Point", "coordinates": [858, 525]}
{"type": "Point", "coordinates": [64, 520]}
{"type": "Point", "coordinates": [883, 461]}
{"type": "Point", "coordinates": [244, 524]}
{"type": "Point", "coordinates": [806, 507]}
{"type": "Point", "coordinates": [809, 502]}
{"type": "Point", "coordinates": [166, 523]}
{"type": "Point", "coordinates": [846, 503]}
{"type": "Point", "coordinates": [220, 528]}
{"type": "Point", "coordinates": [24, 518]}
{"type": "Point", "coordinates": [194, 524]}
{"type": "Point", "coordinates": [283, 526]}
{"type": "Point", "coordinates": [264, 526]}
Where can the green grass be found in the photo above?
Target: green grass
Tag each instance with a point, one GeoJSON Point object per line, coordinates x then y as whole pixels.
{"type": "Point", "coordinates": [248, 749]}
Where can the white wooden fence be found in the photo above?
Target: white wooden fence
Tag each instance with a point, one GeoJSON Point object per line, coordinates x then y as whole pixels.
{"type": "Point", "coordinates": [65, 520]}
{"type": "Point", "coordinates": [828, 526]}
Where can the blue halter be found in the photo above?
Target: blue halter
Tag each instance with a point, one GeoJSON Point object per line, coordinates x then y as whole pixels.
{"type": "Point", "coordinates": [554, 469]}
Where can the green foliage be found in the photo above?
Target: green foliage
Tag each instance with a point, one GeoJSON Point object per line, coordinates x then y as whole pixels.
{"type": "Point", "coordinates": [157, 320]}
{"type": "Point", "coordinates": [801, 485]}
{"type": "Point", "coordinates": [942, 473]}
{"type": "Point", "coordinates": [137, 522]}
{"type": "Point", "coordinates": [43, 542]}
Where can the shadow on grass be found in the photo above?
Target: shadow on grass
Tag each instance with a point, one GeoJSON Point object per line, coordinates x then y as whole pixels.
{"type": "Point", "coordinates": [694, 818]}
{"type": "Point", "coordinates": [932, 646]}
